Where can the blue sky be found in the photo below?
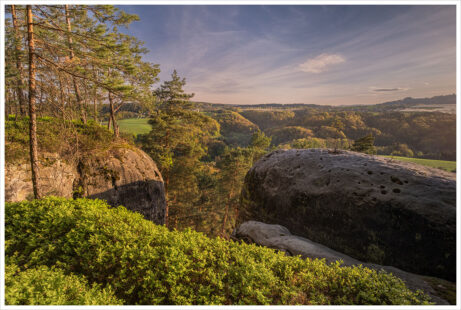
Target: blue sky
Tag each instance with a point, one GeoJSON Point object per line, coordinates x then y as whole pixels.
{"type": "Point", "coordinates": [338, 55]}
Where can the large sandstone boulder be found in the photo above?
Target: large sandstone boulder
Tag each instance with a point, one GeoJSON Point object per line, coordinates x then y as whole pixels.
{"type": "Point", "coordinates": [279, 237]}
{"type": "Point", "coordinates": [372, 208]}
{"type": "Point", "coordinates": [121, 176]}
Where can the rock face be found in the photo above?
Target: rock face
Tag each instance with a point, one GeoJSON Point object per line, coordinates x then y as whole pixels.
{"type": "Point", "coordinates": [374, 209]}
{"type": "Point", "coordinates": [279, 237]}
{"type": "Point", "coordinates": [121, 176]}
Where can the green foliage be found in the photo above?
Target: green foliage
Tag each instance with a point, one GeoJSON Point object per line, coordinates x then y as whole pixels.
{"type": "Point", "coordinates": [177, 142]}
{"type": "Point", "coordinates": [364, 145]}
{"type": "Point", "coordinates": [171, 94]}
{"type": "Point", "coordinates": [269, 118]}
{"type": "Point", "coordinates": [55, 136]}
{"type": "Point", "coordinates": [289, 133]}
{"type": "Point", "coordinates": [234, 163]}
{"type": "Point", "coordinates": [401, 149]}
{"type": "Point", "coordinates": [42, 285]}
{"type": "Point", "coordinates": [260, 140]}
{"type": "Point", "coordinates": [326, 132]}
{"type": "Point", "coordinates": [235, 129]}
{"type": "Point", "coordinates": [308, 143]}
{"type": "Point", "coordinates": [147, 264]}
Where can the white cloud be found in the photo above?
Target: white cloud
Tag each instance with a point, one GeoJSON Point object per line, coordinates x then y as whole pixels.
{"type": "Point", "coordinates": [321, 63]}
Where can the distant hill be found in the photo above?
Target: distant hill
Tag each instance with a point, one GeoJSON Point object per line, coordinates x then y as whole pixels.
{"type": "Point", "coordinates": [447, 99]}
{"type": "Point", "coordinates": [415, 104]}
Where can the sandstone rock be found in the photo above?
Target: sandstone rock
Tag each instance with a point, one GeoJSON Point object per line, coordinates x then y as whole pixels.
{"type": "Point", "coordinates": [279, 237]}
{"type": "Point", "coordinates": [371, 208]}
{"type": "Point", "coordinates": [56, 178]}
{"type": "Point", "coordinates": [121, 176]}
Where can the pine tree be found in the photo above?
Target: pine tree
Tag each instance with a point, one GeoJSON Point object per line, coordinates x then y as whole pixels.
{"type": "Point", "coordinates": [233, 164]}
{"type": "Point", "coordinates": [177, 142]}
{"type": "Point", "coordinates": [364, 145]}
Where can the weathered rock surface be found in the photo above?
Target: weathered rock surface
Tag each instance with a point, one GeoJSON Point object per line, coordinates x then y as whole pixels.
{"type": "Point", "coordinates": [372, 208]}
{"type": "Point", "coordinates": [279, 237]}
{"type": "Point", "coordinates": [121, 176]}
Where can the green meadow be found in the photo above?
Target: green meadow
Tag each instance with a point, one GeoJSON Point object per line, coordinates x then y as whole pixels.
{"type": "Point", "coordinates": [440, 164]}
{"type": "Point", "coordinates": [134, 125]}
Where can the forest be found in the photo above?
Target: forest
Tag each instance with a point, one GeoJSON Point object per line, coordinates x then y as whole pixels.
{"type": "Point", "coordinates": [72, 75]}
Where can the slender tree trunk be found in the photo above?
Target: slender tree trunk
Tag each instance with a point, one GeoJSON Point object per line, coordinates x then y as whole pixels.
{"type": "Point", "coordinates": [40, 102]}
{"type": "Point", "coordinates": [61, 90]}
{"type": "Point", "coordinates": [95, 99]}
{"type": "Point", "coordinates": [20, 80]}
{"type": "Point", "coordinates": [226, 213]}
{"type": "Point", "coordinates": [112, 116]}
{"type": "Point", "coordinates": [167, 180]}
{"type": "Point", "coordinates": [71, 57]}
{"type": "Point", "coordinates": [95, 110]}
{"type": "Point", "coordinates": [32, 115]}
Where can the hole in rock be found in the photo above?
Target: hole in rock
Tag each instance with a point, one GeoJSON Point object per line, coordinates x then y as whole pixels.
{"type": "Point", "coordinates": [396, 180]}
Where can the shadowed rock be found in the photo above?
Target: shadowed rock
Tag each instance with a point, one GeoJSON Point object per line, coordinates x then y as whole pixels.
{"type": "Point", "coordinates": [371, 208]}
{"type": "Point", "coordinates": [121, 176]}
{"type": "Point", "coordinates": [279, 237]}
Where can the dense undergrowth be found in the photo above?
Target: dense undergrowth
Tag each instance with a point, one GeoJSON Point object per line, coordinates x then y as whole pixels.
{"type": "Point", "coordinates": [114, 256]}
{"type": "Point", "coordinates": [66, 138]}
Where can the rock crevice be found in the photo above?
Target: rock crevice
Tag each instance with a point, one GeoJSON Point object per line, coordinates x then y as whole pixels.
{"type": "Point", "coordinates": [279, 237]}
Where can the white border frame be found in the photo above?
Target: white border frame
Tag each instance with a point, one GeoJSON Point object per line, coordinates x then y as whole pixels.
{"type": "Point", "coordinates": [457, 3]}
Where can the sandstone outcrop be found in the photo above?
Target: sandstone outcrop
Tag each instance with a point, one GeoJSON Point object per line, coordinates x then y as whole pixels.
{"type": "Point", "coordinates": [371, 208]}
{"type": "Point", "coordinates": [279, 237]}
{"type": "Point", "coordinates": [121, 176]}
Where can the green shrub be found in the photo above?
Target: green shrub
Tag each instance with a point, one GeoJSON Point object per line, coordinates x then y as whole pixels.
{"type": "Point", "coordinates": [67, 138]}
{"type": "Point", "coordinates": [147, 264]}
{"type": "Point", "coordinates": [45, 286]}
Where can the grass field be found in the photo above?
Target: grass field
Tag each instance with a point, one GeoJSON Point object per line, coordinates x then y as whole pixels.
{"type": "Point", "coordinates": [440, 164]}
{"type": "Point", "coordinates": [134, 125]}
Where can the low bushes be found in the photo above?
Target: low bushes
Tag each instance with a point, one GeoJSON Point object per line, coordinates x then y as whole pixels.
{"type": "Point", "coordinates": [147, 264]}
{"type": "Point", "coordinates": [45, 286]}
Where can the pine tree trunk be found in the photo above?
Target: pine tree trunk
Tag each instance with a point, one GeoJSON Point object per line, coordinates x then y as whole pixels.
{"type": "Point", "coordinates": [167, 180]}
{"type": "Point", "coordinates": [95, 95]}
{"type": "Point", "coordinates": [71, 57]}
{"type": "Point", "coordinates": [32, 115]}
{"type": "Point", "coordinates": [61, 92]}
{"type": "Point", "coordinates": [20, 81]}
{"type": "Point", "coordinates": [95, 110]}
{"type": "Point", "coordinates": [112, 116]}
{"type": "Point", "coordinates": [226, 214]}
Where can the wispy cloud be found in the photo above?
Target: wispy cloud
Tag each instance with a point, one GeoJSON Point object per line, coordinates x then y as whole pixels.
{"type": "Point", "coordinates": [376, 89]}
{"type": "Point", "coordinates": [257, 54]}
{"type": "Point", "coordinates": [321, 63]}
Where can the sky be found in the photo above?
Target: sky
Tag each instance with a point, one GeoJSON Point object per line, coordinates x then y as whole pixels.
{"type": "Point", "coordinates": [313, 54]}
